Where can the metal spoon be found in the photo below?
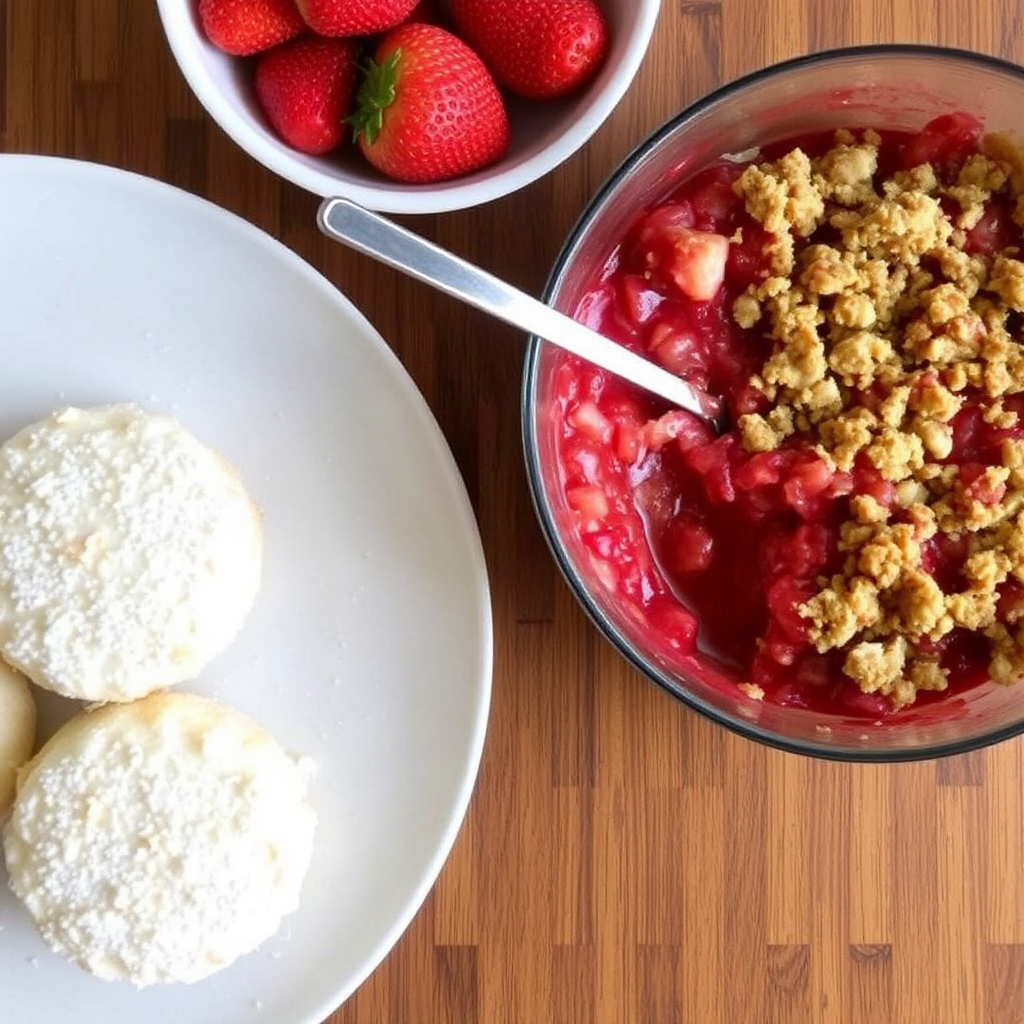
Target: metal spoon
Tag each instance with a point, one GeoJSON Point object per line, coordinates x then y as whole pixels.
{"type": "Point", "coordinates": [392, 244]}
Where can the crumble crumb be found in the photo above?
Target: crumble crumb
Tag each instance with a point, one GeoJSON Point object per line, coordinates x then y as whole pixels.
{"type": "Point", "coordinates": [878, 335]}
{"type": "Point", "coordinates": [1006, 279]}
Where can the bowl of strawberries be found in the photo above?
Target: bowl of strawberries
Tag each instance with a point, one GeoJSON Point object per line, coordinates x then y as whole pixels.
{"type": "Point", "coordinates": [409, 106]}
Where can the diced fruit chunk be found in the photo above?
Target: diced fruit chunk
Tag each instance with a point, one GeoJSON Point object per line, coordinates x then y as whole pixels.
{"type": "Point", "coordinates": [679, 426]}
{"type": "Point", "coordinates": [695, 261]}
{"type": "Point", "coordinates": [588, 419]}
{"type": "Point", "coordinates": [590, 501]}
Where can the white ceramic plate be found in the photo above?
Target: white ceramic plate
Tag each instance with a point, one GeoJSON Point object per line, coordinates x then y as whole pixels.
{"type": "Point", "coordinates": [369, 648]}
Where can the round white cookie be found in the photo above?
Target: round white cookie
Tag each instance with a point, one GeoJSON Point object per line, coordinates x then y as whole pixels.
{"type": "Point", "coordinates": [157, 841]}
{"type": "Point", "coordinates": [130, 553]}
{"type": "Point", "coordinates": [17, 730]}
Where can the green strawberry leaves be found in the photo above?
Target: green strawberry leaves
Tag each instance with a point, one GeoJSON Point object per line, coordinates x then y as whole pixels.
{"type": "Point", "coordinates": [376, 94]}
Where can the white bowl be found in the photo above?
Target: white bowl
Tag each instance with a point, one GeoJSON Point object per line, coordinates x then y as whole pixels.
{"type": "Point", "coordinates": [543, 134]}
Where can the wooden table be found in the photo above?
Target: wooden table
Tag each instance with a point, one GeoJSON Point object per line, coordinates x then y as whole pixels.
{"type": "Point", "coordinates": [622, 860]}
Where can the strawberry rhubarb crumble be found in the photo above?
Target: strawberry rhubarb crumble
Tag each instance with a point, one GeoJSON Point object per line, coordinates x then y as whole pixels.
{"type": "Point", "coordinates": [855, 542]}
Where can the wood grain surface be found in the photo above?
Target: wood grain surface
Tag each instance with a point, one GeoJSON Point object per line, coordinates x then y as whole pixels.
{"type": "Point", "coordinates": [623, 859]}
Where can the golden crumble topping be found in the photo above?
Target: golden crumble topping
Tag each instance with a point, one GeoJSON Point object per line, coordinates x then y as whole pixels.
{"type": "Point", "coordinates": [881, 325]}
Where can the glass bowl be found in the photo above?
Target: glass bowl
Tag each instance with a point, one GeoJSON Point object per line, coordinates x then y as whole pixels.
{"type": "Point", "coordinates": [895, 87]}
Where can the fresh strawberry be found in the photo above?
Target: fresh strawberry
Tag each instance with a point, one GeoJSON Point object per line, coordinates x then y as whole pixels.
{"type": "Point", "coordinates": [535, 48]}
{"type": "Point", "coordinates": [353, 17]}
{"type": "Point", "coordinates": [428, 109]}
{"type": "Point", "coordinates": [241, 27]}
{"type": "Point", "coordinates": [306, 88]}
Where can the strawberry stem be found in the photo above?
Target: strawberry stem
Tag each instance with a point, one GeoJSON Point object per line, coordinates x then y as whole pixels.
{"type": "Point", "coordinates": [376, 94]}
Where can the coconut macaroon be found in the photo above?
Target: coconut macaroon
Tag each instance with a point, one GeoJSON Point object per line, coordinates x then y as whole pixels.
{"type": "Point", "coordinates": [157, 841]}
{"type": "Point", "coordinates": [17, 730]}
{"type": "Point", "coordinates": [130, 553]}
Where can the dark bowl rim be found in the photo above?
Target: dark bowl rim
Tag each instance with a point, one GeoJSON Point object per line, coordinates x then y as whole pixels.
{"type": "Point", "coordinates": [535, 345]}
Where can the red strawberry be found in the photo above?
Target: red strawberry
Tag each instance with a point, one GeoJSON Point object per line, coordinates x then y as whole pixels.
{"type": "Point", "coordinates": [353, 17]}
{"type": "Point", "coordinates": [428, 108]}
{"type": "Point", "coordinates": [241, 27]}
{"type": "Point", "coordinates": [306, 89]}
{"type": "Point", "coordinates": [535, 48]}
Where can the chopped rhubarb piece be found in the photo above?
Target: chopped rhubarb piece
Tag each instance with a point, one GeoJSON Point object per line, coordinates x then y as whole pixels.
{"type": "Point", "coordinates": [696, 263]}
{"type": "Point", "coordinates": [711, 461]}
{"type": "Point", "coordinates": [590, 501]}
{"type": "Point", "coordinates": [678, 350]}
{"type": "Point", "coordinates": [628, 442]}
{"type": "Point", "coordinates": [588, 419]}
{"type": "Point", "coordinates": [639, 300]}
{"type": "Point", "coordinates": [676, 425]}
{"type": "Point", "coordinates": [807, 484]}
{"type": "Point", "coordinates": [761, 470]}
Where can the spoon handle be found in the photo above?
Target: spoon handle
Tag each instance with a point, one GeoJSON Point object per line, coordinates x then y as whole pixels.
{"type": "Point", "coordinates": [392, 244]}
